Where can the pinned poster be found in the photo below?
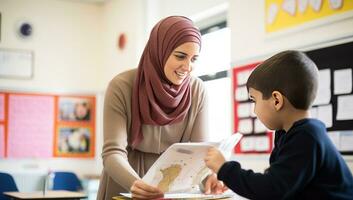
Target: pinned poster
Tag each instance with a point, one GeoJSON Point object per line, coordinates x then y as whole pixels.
{"type": "Point", "coordinates": [272, 12]}
{"type": "Point", "coordinates": [259, 127]}
{"type": "Point", "coordinates": [335, 138]}
{"type": "Point", "coordinates": [241, 94]}
{"type": "Point", "coordinates": [324, 113]}
{"type": "Point", "coordinates": [262, 143]}
{"type": "Point", "coordinates": [289, 6]}
{"type": "Point", "coordinates": [345, 107]}
{"type": "Point", "coordinates": [242, 77]}
{"type": "Point", "coordinates": [244, 110]}
{"type": "Point", "coordinates": [346, 141]}
{"type": "Point", "coordinates": [40, 125]}
{"type": "Point", "coordinates": [323, 95]}
{"type": "Point", "coordinates": [30, 126]}
{"type": "Point", "coordinates": [245, 126]}
{"type": "Point", "coordinates": [245, 120]}
{"type": "Point", "coordinates": [247, 144]}
{"type": "Point", "coordinates": [289, 15]}
{"type": "Point", "coordinates": [302, 5]}
{"type": "Point", "coordinates": [342, 79]}
{"type": "Point", "coordinates": [314, 112]}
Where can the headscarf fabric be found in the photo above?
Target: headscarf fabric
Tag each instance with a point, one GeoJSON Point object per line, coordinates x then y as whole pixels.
{"type": "Point", "coordinates": [155, 100]}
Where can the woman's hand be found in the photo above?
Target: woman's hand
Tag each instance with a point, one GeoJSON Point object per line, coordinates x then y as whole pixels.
{"type": "Point", "coordinates": [141, 190]}
{"type": "Point", "coordinates": [214, 186]}
{"type": "Point", "coordinates": [214, 159]}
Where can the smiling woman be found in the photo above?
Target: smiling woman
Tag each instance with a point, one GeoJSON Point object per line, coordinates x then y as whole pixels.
{"type": "Point", "coordinates": [180, 63]}
{"type": "Point", "coordinates": [148, 109]}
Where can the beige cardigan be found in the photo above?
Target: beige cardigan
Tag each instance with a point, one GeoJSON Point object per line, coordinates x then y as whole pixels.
{"type": "Point", "coordinates": [122, 165]}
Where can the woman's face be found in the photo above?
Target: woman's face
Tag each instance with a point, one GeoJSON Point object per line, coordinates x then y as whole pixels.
{"type": "Point", "coordinates": [181, 62]}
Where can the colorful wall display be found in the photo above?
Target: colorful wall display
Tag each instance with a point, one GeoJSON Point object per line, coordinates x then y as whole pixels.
{"type": "Point", "coordinates": [256, 139]}
{"type": "Point", "coordinates": [46, 125]}
{"type": "Point", "coordinates": [284, 14]}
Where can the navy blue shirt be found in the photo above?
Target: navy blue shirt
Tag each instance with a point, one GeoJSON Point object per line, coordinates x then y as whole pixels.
{"type": "Point", "coordinates": [304, 164]}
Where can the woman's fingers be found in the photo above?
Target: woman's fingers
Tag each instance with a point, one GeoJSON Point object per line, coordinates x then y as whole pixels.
{"type": "Point", "coordinates": [148, 188]}
{"type": "Point", "coordinates": [141, 190]}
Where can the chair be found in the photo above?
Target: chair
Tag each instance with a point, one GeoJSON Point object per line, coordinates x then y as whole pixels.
{"type": "Point", "coordinates": [7, 184]}
{"type": "Point", "coordinates": [66, 181]}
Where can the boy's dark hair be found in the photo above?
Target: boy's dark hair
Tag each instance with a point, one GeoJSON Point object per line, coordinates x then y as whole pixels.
{"type": "Point", "coordinates": [292, 73]}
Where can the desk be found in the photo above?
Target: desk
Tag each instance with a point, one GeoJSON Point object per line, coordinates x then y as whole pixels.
{"type": "Point", "coordinates": [126, 198]}
{"type": "Point", "coordinates": [229, 196]}
{"type": "Point", "coordinates": [57, 194]}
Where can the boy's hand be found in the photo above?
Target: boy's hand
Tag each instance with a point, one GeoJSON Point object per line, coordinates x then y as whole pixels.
{"type": "Point", "coordinates": [141, 190]}
{"type": "Point", "coordinates": [214, 159]}
{"type": "Point", "coordinates": [213, 185]}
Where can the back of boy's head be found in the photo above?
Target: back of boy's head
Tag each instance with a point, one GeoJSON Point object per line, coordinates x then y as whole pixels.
{"type": "Point", "coordinates": [292, 73]}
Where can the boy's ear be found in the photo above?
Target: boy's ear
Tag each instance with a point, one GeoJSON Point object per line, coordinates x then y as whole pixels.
{"type": "Point", "coordinates": [278, 100]}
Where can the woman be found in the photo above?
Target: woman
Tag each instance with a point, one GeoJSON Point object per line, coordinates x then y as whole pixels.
{"type": "Point", "coordinates": [148, 109]}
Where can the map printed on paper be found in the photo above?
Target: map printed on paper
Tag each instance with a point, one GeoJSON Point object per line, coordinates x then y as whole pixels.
{"type": "Point", "coordinates": [181, 168]}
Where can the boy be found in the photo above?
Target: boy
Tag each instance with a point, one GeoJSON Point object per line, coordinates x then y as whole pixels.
{"type": "Point", "coordinates": [304, 163]}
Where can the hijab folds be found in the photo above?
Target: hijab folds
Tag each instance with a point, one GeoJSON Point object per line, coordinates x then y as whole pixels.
{"type": "Point", "coordinates": [155, 100]}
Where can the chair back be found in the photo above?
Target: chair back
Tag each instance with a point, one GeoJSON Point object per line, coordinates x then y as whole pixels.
{"type": "Point", "coordinates": [7, 184]}
{"type": "Point", "coordinates": [66, 181]}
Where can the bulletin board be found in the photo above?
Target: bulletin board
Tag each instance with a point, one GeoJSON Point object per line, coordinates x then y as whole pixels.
{"type": "Point", "coordinates": [256, 139]}
{"type": "Point", "coordinates": [333, 104]}
{"type": "Point", "coordinates": [38, 125]}
{"type": "Point", "coordinates": [284, 14]}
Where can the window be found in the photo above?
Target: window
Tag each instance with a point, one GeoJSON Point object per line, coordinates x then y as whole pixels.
{"type": "Point", "coordinates": [212, 68]}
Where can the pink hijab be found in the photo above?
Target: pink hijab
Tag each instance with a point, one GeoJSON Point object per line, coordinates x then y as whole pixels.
{"type": "Point", "coordinates": [155, 100]}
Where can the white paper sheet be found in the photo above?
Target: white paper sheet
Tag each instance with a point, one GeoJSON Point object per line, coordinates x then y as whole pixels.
{"type": "Point", "coordinates": [16, 63]}
{"type": "Point", "coordinates": [272, 13]}
{"type": "Point", "coordinates": [346, 141]}
{"type": "Point", "coordinates": [259, 127]}
{"type": "Point", "coordinates": [302, 5]}
{"type": "Point", "coordinates": [324, 113]}
{"type": "Point", "coordinates": [289, 6]}
{"type": "Point", "coordinates": [313, 112]}
{"type": "Point", "coordinates": [189, 196]}
{"type": "Point", "coordinates": [252, 108]}
{"type": "Point", "coordinates": [335, 138]}
{"type": "Point", "coordinates": [247, 144]}
{"type": "Point", "coordinates": [345, 107]}
{"type": "Point", "coordinates": [181, 168]}
{"type": "Point", "coordinates": [241, 94]}
{"type": "Point", "coordinates": [242, 77]}
{"type": "Point", "coordinates": [323, 95]}
{"type": "Point", "coordinates": [244, 109]}
{"type": "Point", "coordinates": [227, 195]}
{"type": "Point", "coordinates": [262, 143]}
{"type": "Point", "coordinates": [342, 81]}
{"type": "Point", "coordinates": [245, 126]}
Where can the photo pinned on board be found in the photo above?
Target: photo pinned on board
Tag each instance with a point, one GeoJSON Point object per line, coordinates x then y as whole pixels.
{"type": "Point", "coordinates": [73, 140]}
{"type": "Point", "coordinates": [74, 109]}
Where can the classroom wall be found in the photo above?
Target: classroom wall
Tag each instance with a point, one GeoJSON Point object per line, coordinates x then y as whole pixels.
{"type": "Point", "coordinates": [66, 42]}
{"type": "Point", "coordinates": [127, 17]}
{"type": "Point", "coordinates": [249, 40]}
{"type": "Point", "coordinates": [67, 59]}
{"type": "Point", "coordinates": [75, 51]}
{"type": "Point", "coordinates": [249, 43]}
